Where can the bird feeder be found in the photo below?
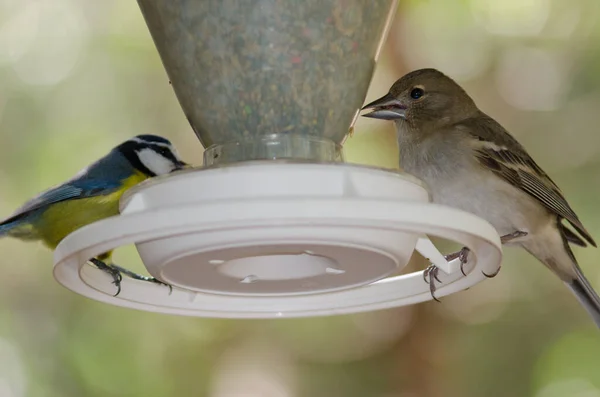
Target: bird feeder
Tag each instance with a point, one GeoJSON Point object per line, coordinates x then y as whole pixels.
{"type": "Point", "coordinates": [274, 224]}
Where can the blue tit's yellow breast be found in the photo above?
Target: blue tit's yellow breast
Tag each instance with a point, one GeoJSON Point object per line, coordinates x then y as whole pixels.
{"type": "Point", "coordinates": [63, 218]}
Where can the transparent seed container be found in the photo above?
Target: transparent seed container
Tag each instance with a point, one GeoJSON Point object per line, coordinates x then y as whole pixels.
{"type": "Point", "coordinates": [269, 79]}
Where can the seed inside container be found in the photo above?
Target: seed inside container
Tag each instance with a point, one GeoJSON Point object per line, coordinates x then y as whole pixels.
{"type": "Point", "coordinates": [246, 69]}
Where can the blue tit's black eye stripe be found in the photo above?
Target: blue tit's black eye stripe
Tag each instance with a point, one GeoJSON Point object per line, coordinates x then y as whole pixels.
{"type": "Point", "coordinates": [165, 152]}
{"type": "Point", "coordinates": [157, 144]}
{"type": "Point", "coordinates": [129, 150]}
{"type": "Point", "coordinates": [135, 161]}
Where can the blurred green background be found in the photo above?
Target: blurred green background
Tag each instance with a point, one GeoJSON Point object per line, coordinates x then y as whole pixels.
{"type": "Point", "coordinates": [79, 76]}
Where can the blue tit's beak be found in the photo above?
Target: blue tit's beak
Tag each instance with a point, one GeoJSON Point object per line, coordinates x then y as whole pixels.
{"type": "Point", "coordinates": [386, 108]}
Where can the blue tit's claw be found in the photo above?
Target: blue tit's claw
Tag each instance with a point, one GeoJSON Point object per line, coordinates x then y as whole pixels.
{"type": "Point", "coordinates": [431, 273]}
{"type": "Point", "coordinates": [117, 283]}
{"type": "Point", "coordinates": [157, 281]}
{"type": "Point", "coordinates": [136, 276]}
{"type": "Point", "coordinates": [112, 271]}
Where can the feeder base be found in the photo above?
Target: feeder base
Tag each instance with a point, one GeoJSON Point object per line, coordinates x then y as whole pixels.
{"type": "Point", "coordinates": [278, 239]}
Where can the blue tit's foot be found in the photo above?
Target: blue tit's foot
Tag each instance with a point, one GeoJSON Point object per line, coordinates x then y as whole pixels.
{"type": "Point", "coordinates": [463, 254]}
{"type": "Point", "coordinates": [136, 276]}
{"type": "Point", "coordinates": [430, 275]}
{"type": "Point", "coordinates": [114, 273]}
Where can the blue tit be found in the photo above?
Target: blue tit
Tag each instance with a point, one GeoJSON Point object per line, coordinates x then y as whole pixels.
{"type": "Point", "coordinates": [93, 194]}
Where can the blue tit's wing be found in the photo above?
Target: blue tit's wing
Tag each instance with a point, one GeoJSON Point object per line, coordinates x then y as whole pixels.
{"type": "Point", "coordinates": [74, 189]}
{"type": "Point", "coordinates": [100, 178]}
{"type": "Point", "coordinates": [502, 154]}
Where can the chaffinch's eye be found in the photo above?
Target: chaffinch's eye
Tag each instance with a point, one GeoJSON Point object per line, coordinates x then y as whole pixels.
{"type": "Point", "coordinates": [417, 93]}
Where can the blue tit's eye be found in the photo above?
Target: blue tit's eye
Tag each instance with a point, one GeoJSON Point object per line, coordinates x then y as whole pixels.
{"type": "Point", "coordinates": [417, 93]}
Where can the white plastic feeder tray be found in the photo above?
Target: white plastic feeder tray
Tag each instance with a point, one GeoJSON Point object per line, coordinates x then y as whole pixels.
{"type": "Point", "coordinates": [273, 239]}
